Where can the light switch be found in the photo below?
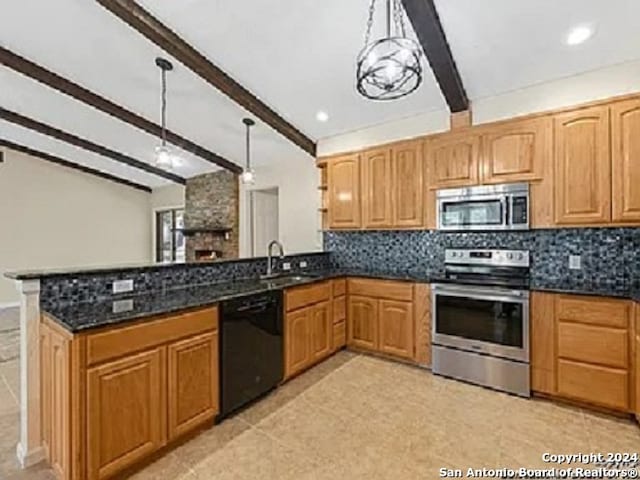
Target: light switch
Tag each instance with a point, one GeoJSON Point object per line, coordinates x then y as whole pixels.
{"type": "Point", "coordinates": [286, 266]}
{"type": "Point", "coordinates": [303, 264]}
{"type": "Point", "coordinates": [575, 262]}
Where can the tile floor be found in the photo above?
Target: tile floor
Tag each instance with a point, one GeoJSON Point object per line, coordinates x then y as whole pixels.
{"type": "Point", "coordinates": [356, 417]}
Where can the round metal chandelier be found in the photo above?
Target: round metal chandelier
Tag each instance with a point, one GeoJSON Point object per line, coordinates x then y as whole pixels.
{"type": "Point", "coordinates": [389, 68]}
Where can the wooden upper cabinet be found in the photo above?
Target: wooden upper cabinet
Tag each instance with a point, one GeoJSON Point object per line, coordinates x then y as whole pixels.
{"type": "Point", "coordinates": [321, 331]}
{"type": "Point", "coordinates": [192, 383]}
{"type": "Point", "coordinates": [408, 187]}
{"type": "Point", "coordinates": [452, 161]}
{"type": "Point", "coordinates": [517, 151]}
{"type": "Point", "coordinates": [126, 412]}
{"type": "Point", "coordinates": [362, 328]}
{"type": "Point", "coordinates": [376, 188]}
{"type": "Point", "coordinates": [582, 167]}
{"type": "Point", "coordinates": [625, 151]}
{"type": "Point", "coordinates": [396, 329]}
{"type": "Point", "coordinates": [344, 192]}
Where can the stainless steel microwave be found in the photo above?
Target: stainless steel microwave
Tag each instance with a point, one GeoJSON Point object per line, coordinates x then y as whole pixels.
{"type": "Point", "coordinates": [487, 207]}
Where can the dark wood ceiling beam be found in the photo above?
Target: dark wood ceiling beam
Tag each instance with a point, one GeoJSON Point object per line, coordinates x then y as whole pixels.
{"type": "Point", "coordinates": [155, 31]}
{"type": "Point", "coordinates": [71, 139]}
{"type": "Point", "coordinates": [66, 163]}
{"type": "Point", "coordinates": [55, 81]}
{"type": "Point", "coordinates": [426, 23]}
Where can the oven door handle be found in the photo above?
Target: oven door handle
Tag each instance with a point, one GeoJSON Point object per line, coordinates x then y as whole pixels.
{"type": "Point", "coordinates": [514, 296]}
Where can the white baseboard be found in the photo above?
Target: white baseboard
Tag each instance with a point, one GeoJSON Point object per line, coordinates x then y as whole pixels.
{"type": "Point", "coordinates": [28, 459]}
{"type": "Point", "coordinates": [9, 305]}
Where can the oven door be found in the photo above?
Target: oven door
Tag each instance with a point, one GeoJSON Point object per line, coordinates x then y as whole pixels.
{"type": "Point", "coordinates": [493, 321]}
{"type": "Point", "coordinates": [472, 213]}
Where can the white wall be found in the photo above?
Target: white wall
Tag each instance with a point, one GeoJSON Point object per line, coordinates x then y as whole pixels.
{"type": "Point", "coordinates": [52, 216]}
{"type": "Point", "coordinates": [297, 181]}
{"type": "Point", "coordinates": [595, 85]}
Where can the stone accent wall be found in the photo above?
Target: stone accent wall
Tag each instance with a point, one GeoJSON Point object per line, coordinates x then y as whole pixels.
{"type": "Point", "coordinates": [212, 201]}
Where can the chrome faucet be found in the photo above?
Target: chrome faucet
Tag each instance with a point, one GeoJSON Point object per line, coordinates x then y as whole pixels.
{"type": "Point", "coordinates": [270, 255]}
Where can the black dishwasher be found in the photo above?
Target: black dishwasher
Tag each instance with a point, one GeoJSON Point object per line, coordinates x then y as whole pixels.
{"type": "Point", "coordinates": [251, 356]}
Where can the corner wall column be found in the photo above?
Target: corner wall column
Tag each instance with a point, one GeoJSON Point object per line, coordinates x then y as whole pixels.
{"type": "Point", "coordinates": [29, 449]}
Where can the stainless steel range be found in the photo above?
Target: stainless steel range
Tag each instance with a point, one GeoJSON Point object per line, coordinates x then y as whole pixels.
{"type": "Point", "coordinates": [481, 319]}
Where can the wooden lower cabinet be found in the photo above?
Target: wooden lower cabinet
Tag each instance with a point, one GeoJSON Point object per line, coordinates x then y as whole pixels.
{"type": "Point", "coordinates": [362, 331]}
{"type": "Point", "coordinates": [381, 317]}
{"type": "Point", "coordinates": [192, 402]}
{"type": "Point", "coordinates": [636, 359]}
{"type": "Point", "coordinates": [580, 349]}
{"type": "Point", "coordinates": [308, 327]}
{"type": "Point", "coordinates": [126, 412]}
{"type": "Point", "coordinates": [105, 410]}
{"type": "Point", "coordinates": [396, 331]}
{"type": "Point", "coordinates": [297, 347]}
{"type": "Point", "coordinates": [320, 331]}
{"type": "Point", "coordinates": [339, 335]}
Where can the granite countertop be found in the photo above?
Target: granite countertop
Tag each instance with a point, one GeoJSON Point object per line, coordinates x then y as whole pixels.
{"type": "Point", "coordinates": [81, 316]}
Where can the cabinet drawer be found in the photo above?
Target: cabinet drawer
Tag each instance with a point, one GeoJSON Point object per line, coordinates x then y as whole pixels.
{"type": "Point", "coordinates": [305, 295]}
{"type": "Point", "coordinates": [386, 289]}
{"type": "Point", "coordinates": [591, 344]}
{"type": "Point", "coordinates": [339, 335]}
{"type": "Point", "coordinates": [339, 287]}
{"type": "Point", "coordinates": [593, 384]}
{"type": "Point", "coordinates": [118, 341]}
{"type": "Point", "coordinates": [595, 311]}
{"type": "Point", "coordinates": [339, 309]}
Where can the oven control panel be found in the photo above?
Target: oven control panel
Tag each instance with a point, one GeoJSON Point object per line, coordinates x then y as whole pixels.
{"type": "Point", "coordinates": [502, 258]}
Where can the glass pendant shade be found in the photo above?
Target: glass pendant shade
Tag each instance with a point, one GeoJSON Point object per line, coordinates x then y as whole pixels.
{"type": "Point", "coordinates": [166, 158]}
{"type": "Point", "coordinates": [389, 68]}
{"type": "Point", "coordinates": [248, 177]}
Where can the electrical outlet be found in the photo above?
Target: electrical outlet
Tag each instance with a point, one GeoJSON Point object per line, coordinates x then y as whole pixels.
{"type": "Point", "coordinates": [120, 306]}
{"type": "Point", "coordinates": [575, 262]}
{"type": "Point", "coordinates": [286, 266]}
{"type": "Point", "coordinates": [303, 264]}
{"type": "Point", "coordinates": [122, 286]}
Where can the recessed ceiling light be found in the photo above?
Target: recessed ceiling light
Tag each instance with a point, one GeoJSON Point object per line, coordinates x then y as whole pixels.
{"type": "Point", "coordinates": [322, 116]}
{"type": "Point", "coordinates": [579, 35]}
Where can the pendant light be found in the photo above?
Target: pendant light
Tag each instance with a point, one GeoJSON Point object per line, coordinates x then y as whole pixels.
{"type": "Point", "coordinates": [165, 157]}
{"type": "Point", "coordinates": [248, 176]}
{"type": "Point", "coordinates": [389, 68]}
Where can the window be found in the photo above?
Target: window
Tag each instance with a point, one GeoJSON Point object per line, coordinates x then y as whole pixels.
{"type": "Point", "coordinates": [169, 239]}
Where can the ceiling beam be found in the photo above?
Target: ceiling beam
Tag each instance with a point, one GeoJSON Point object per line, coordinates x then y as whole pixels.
{"type": "Point", "coordinates": [66, 163]}
{"type": "Point", "coordinates": [155, 31]}
{"type": "Point", "coordinates": [50, 131]}
{"type": "Point", "coordinates": [55, 81]}
{"type": "Point", "coordinates": [426, 23]}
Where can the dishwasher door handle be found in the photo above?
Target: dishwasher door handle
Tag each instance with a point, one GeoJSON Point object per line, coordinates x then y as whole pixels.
{"type": "Point", "coordinates": [256, 307]}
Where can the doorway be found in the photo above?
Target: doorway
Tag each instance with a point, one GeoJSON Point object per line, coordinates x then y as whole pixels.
{"type": "Point", "coordinates": [263, 219]}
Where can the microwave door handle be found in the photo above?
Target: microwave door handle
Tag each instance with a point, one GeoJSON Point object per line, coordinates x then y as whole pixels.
{"type": "Point", "coordinates": [504, 202]}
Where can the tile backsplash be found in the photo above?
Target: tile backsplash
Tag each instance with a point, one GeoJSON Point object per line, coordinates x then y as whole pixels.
{"type": "Point", "coordinates": [90, 286]}
{"type": "Point", "coordinates": [609, 256]}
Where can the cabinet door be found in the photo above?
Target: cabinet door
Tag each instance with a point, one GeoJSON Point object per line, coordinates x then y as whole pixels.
{"type": "Point", "coordinates": [396, 328]}
{"type": "Point", "coordinates": [625, 141]}
{"type": "Point", "coordinates": [452, 161]}
{"type": "Point", "coordinates": [516, 151]}
{"type": "Point", "coordinates": [376, 188]}
{"type": "Point", "coordinates": [362, 322]}
{"type": "Point", "coordinates": [126, 412]}
{"type": "Point", "coordinates": [321, 331]}
{"type": "Point", "coordinates": [296, 337]}
{"type": "Point", "coordinates": [192, 383]}
{"type": "Point", "coordinates": [582, 167]}
{"type": "Point", "coordinates": [408, 188]}
{"type": "Point", "coordinates": [344, 192]}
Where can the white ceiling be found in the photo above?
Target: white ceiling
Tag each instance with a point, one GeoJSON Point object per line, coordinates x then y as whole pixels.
{"type": "Point", "coordinates": [298, 56]}
{"type": "Point", "coordinates": [504, 45]}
